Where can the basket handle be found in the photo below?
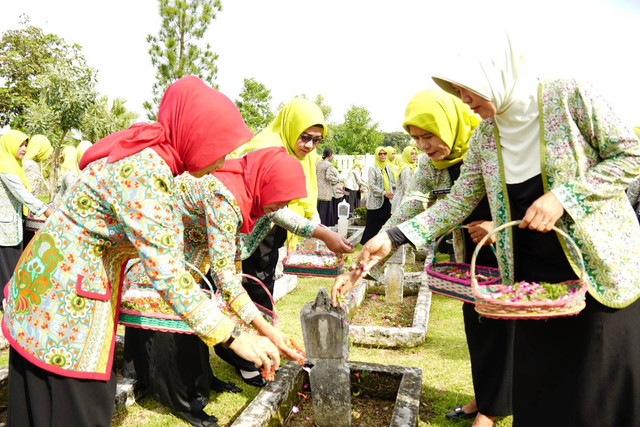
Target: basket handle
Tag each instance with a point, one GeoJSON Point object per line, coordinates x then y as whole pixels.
{"type": "Point", "coordinates": [194, 268]}
{"type": "Point", "coordinates": [474, 281]}
{"type": "Point", "coordinates": [435, 252]}
{"type": "Point", "coordinates": [273, 303]}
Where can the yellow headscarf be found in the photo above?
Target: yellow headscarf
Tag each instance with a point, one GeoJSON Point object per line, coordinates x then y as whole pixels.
{"type": "Point", "coordinates": [447, 117]}
{"type": "Point", "coordinates": [39, 148]}
{"type": "Point", "coordinates": [70, 162]}
{"type": "Point", "coordinates": [9, 163]}
{"type": "Point", "coordinates": [383, 166]}
{"type": "Point", "coordinates": [637, 130]}
{"type": "Point", "coordinates": [295, 117]}
{"type": "Point", "coordinates": [405, 159]}
{"type": "Point", "coordinates": [81, 148]}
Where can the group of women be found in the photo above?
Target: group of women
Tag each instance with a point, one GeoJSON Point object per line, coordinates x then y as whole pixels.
{"type": "Point", "coordinates": [550, 153]}
{"type": "Point", "coordinates": [500, 145]}
{"type": "Point", "coordinates": [147, 193]}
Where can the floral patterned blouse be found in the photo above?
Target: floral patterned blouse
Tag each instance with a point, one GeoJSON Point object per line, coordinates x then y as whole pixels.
{"type": "Point", "coordinates": [13, 195]}
{"type": "Point", "coordinates": [212, 218]}
{"type": "Point", "coordinates": [589, 157]}
{"type": "Point", "coordinates": [63, 302]}
{"type": "Point", "coordinates": [405, 179]}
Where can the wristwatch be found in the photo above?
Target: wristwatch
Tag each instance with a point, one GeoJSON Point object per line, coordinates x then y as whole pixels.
{"type": "Point", "coordinates": [235, 333]}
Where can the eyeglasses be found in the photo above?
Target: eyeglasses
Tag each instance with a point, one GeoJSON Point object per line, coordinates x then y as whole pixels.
{"type": "Point", "coordinates": [305, 137]}
{"type": "Point", "coordinates": [382, 153]}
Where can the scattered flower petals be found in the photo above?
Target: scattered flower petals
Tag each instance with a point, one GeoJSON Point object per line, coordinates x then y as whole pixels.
{"type": "Point", "coordinates": [295, 409]}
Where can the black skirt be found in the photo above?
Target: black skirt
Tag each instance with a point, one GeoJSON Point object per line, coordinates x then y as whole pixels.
{"type": "Point", "coordinates": [580, 370]}
{"type": "Point", "coordinates": [325, 210]}
{"type": "Point", "coordinates": [9, 256]}
{"type": "Point", "coordinates": [40, 398]}
{"type": "Point", "coordinates": [354, 201]}
{"type": "Point", "coordinates": [375, 220]}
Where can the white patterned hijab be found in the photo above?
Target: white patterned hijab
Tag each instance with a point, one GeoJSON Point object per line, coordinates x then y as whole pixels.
{"type": "Point", "coordinates": [496, 72]}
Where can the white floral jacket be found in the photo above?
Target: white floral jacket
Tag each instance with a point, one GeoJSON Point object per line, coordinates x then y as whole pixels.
{"type": "Point", "coordinates": [589, 157]}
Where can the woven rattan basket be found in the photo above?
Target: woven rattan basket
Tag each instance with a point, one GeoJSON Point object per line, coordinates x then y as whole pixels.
{"type": "Point", "coordinates": [143, 307]}
{"type": "Point", "coordinates": [313, 263]}
{"type": "Point", "coordinates": [441, 281]}
{"type": "Point", "coordinates": [488, 304]}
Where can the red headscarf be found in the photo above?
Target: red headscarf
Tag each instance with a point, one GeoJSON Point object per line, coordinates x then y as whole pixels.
{"type": "Point", "coordinates": [196, 126]}
{"type": "Point", "coordinates": [260, 177]}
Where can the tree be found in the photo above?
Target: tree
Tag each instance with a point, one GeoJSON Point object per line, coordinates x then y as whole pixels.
{"type": "Point", "coordinates": [326, 110]}
{"type": "Point", "coordinates": [25, 54]}
{"type": "Point", "coordinates": [174, 51]}
{"type": "Point", "coordinates": [357, 135]}
{"type": "Point", "coordinates": [398, 140]}
{"type": "Point", "coordinates": [66, 93]}
{"type": "Point", "coordinates": [254, 105]}
{"type": "Point", "coordinates": [101, 120]}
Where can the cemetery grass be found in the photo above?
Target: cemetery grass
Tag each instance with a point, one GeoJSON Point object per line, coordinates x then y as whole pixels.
{"type": "Point", "coordinates": [443, 357]}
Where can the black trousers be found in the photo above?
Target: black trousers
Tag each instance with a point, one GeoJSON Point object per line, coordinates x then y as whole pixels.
{"type": "Point", "coordinates": [375, 220]}
{"type": "Point", "coordinates": [490, 343]}
{"type": "Point", "coordinates": [39, 398]}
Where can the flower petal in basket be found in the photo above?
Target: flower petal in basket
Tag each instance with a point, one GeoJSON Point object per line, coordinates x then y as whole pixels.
{"type": "Point", "coordinates": [490, 304]}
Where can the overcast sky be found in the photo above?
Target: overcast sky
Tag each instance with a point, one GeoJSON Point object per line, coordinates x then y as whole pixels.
{"type": "Point", "coordinates": [369, 53]}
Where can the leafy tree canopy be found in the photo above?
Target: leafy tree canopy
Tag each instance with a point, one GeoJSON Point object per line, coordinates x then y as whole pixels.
{"type": "Point", "coordinates": [358, 134]}
{"type": "Point", "coordinates": [175, 51]}
{"type": "Point", "coordinates": [398, 140]}
{"type": "Point", "coordinates": [254, 105]}
{"type": "Point", "coordinates": [25, 54]}
{"type": "Point", "coordinates": [101, 119]}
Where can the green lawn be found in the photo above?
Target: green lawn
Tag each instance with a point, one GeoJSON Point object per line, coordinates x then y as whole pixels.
{"type": "Point", "coordinates": [443, 357]}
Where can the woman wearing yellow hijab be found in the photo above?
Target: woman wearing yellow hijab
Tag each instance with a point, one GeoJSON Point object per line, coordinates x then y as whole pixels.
{"type": "Point", "coordinates": [404, 177]}
{"type": "Point", "coordinates": [38, 150]}
{"type": "Point", "coordinates": [298, 127]}
{"type": "Point", "coordinates": [14, 194]}
{"type": "Point", "coordinates": [69, 171]}
{"type": "Point", "coordinates": [380, 192]}
{"type": "Point", "coordinates": [441, 125]}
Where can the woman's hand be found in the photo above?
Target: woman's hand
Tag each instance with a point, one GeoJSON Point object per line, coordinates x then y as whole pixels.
{"type": "Point", "coordinates": [284, 344]}
{"type": "Point", "coordinates": [543, 213]}
{"type": "Point", "coordinates": [479, 229]}
{"type": "Point", "coordinates": [49, 212]}
{"type": "Point", "coordinates": [342, 284]}
{"type": "Point", "coordinates": [257, 350]}
{"type": "Point", "coordinates": [388, 194]}
{"type": "Point", "coordinates": [373, 251]}
{"type": "Point", "coordinates": [276, 336]}
{"type": "Point", "coordinates": [334, 241]}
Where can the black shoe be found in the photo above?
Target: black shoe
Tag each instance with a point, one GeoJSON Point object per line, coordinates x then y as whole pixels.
{"type": "Point", "coordinates": [459, 414]}
{"type": "Point", "coordinates": [256, 381]}
{"type": "Point", "coordinates": [199, 419]}
{"type": "Point", "coordinates": [216, 384]}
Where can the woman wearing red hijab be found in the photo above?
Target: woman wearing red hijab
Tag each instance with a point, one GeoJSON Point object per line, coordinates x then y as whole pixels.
{"type": "Point", "coordinates": [63, 300]}
{"type": "Point", "coordinates": [174, 368]}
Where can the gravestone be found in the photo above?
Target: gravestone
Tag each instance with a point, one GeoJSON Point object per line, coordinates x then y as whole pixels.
{"type": "Point", "coordinates": [394, 277]}
{"type": "Point", "coordinates": [326, 331]}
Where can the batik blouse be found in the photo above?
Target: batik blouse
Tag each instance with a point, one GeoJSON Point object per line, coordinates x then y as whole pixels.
{"type": "Point", "coordinates": [63, 301]}
{"type": "Point", "coordinates": [589, 157]}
